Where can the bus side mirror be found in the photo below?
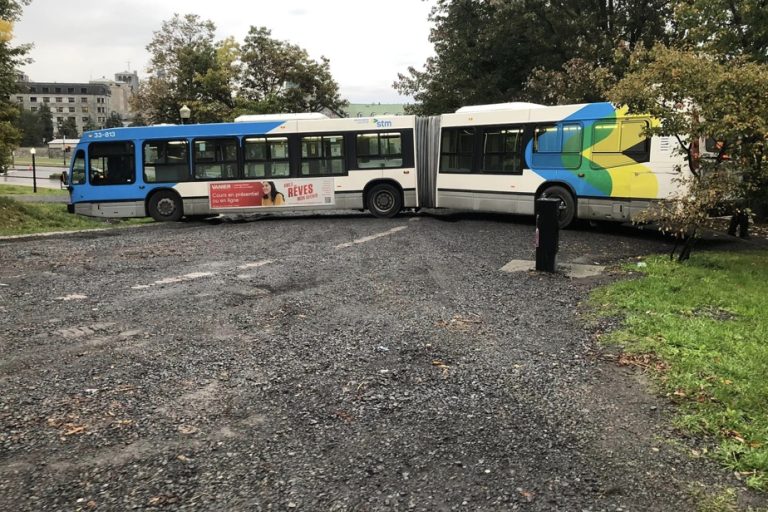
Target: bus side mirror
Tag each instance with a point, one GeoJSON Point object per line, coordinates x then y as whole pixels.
{"type": "Point", "coordinates": [64, 180]}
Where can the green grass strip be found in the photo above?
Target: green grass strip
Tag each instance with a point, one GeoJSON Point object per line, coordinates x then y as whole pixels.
{"type": "Point", "coordinates": [707, 320]}
{"type": "Point", "coordinates": [18, 218]}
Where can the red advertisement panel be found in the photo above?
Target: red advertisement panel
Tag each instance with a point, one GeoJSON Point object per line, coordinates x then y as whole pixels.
{"type": "Point", "coordinates": [236, 195]}
{"type": "Point", "coordinates": [287, 192]}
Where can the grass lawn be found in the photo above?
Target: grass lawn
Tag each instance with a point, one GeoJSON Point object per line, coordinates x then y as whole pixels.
{"type": "Point", "coordinates": [41, 160]}
{"type": "Point", "coordinates": [17, 218]}
{"type": "Point", "coordinates": [702, 329]}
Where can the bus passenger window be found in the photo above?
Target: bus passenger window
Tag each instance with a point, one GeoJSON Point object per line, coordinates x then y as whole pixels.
{"type": "Point", "coordinates": [546, 139]}
{"type": "Point", "coordinates": [634, 141]}
{"type": "Point", "coordinates": [457, 150]}
{"type": "Point", "coordinates": [266, 157]}
{"type": "Point", "coordinates": [215, 159]}
{"type": "Point", "coordinates": [618, 144]}
{"type": "Point", "coordinates": [111, 163]}
{"type": "Point", "coordinates": [166, 161]}
{"type": "Point", "coordinates": [322, 155]}
{"type": "Point", "coordinates": [502, 151]}
{"type": "Point", "coordinates": [379, 150]}
{"type": "Point", "coordinates": [571, 138]}
{"type": "Point", "coordinates": [557, 146]}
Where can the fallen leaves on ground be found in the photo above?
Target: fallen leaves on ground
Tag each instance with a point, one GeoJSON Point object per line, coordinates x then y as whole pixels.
{"type": "Point", "coordinates": [460, 322]}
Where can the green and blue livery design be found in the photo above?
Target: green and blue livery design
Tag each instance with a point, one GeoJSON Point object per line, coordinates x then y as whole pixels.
{"type": "Point", "coordinates": [586, 151]}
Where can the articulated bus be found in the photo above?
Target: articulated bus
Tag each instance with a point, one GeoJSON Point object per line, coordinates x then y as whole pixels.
{"type": "Point", "coordinates": [596, 159]}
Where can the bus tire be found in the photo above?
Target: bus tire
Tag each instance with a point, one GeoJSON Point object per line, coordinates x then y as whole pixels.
{"type": "Point", "coordinates": [384, 200]}
{"type": "Point", "coordinates": [567, 204]}
{"type": "Point", "coordinates": [165, 206]}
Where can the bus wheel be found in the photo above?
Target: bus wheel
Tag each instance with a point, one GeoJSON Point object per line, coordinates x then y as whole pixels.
{"type": "Point", "coordinates": [384, 200]}
{"type": "Point", "coordinates": [165, 206]}
{"type": "Point", "coordinates": [567, 204]}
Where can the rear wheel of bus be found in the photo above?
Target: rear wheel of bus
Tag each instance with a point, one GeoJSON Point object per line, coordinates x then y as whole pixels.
{"type": "Point", "coordinates": [384, 200]}
{"type": "Point", "coordinates": [567, 207]}
{"type": "Point", "coordinates": [165, 206]}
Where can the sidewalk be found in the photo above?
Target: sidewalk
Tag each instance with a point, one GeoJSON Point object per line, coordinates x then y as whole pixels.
{"type": "Point", "coordinates": [37, 198]}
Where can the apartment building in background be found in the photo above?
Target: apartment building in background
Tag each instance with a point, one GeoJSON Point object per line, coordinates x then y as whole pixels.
{"type": "Point", "coordinates": [96, 99]}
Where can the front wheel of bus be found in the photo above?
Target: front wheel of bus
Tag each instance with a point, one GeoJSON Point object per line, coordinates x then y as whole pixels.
{"type": "Point", "coordinates": [165, 206]}
{"type": "Point", "coordinates": [384, 201]}
{"type": "Point", "coordinates": [567, 208]}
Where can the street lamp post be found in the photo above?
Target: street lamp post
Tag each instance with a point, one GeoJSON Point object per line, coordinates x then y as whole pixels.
{"type": "Point", "coordinates": [34, 171]}
{"type": "Point", "coordinates": [184, 113]}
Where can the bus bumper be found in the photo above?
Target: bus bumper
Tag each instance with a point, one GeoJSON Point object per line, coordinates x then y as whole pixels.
{"type": "Point", "coordinates": [112, 209]}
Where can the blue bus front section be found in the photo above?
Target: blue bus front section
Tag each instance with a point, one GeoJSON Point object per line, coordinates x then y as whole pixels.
{"type": "Point", "coordinates": [128, 199]}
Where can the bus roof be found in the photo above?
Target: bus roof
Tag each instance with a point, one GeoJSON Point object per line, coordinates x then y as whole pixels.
{"type": "Point", "coordinates": [272, 125]}
{"type": "Point", "coordinates": [516, 105]}
{"type": "Point", "coordinates": [250, 118]}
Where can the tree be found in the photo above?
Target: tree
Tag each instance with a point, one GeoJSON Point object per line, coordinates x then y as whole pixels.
{"type": "Point", "coordinates": [189, 67]}
{"type": "Point", "coordinates": [90, 125]}
{"type": "Point", "coordinates": [220, 79]}
{"type": "Point", "coordinates": [138, 120]}
{"type": "Point", "coordinates": [11, 57]}
{"type": "Point", "coordinates": [46, 121]}
{"type": "Point", "coordinates": [485, 50]}
{"type": "Point", "coordinates": [114, 120]}
{"type": "Point", "coordinates": [277, 76]}
{"type": "Point", "coordinates": [695, 97]}
{"type": "Point", "coordinates": [68, 129]}
{"type": "Point", "coordinates": [727, 28]}
{"type": "Point", "coordinates": [30, 127]}
{"type": "Point", "coordinates": [578, 81]}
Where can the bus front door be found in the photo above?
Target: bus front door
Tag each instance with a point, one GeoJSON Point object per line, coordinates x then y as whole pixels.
{"type": "Point", "coordinates": [76, 182]}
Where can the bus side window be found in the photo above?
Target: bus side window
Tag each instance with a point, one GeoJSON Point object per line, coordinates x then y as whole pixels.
{"type": "Point", "coordinates": [617, 144]}
{"type": "Point", "coordinates": [634, 141]}
{"type": "Point", "coordinates": [78, 168]}
{"type": "Point", "coordinates": [379, 150]}
{"type": "Point", "coordinates": [166, 161]}
{"type": "Point", "coordinates": [502, 150]}
{"type": "Point", "coordinates": [216, 159]}
{"type": "Point", "coordinates": [557, 146]}
{"type": "Point", "coordinates": [457, 150]}
{"type": "Point", "coordinates": [322, 155]}
{"type": "Point", "coordinates": [266, 157]}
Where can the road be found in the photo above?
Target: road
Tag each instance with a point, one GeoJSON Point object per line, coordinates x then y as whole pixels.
{"type": "Point", "coordinates": [325, 362]}
{"type": "Point", "coordinates": [21, 176]}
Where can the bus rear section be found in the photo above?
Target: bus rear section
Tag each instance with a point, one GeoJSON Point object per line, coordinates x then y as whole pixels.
{"type": "Point", "coordinates": [595, 159]}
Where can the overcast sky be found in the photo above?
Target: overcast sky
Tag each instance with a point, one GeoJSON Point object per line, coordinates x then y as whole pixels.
{"type": "Point", "coordinates": [367, 41]}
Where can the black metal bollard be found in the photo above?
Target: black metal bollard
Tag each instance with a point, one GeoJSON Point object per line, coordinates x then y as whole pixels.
{"type": "Point", "coordinates": [547, 233]}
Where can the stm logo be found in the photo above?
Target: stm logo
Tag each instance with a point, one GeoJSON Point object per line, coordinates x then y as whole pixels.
{"type": "Point", "coordinates": [382, 123]}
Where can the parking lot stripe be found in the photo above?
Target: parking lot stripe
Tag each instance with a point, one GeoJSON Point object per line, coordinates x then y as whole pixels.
{"type": "Point", "coordinates": [171, 280]}
{"type": "Point", "coordinates": [256, 264]}
{"type": "Point", "coordinates": [371, 237]}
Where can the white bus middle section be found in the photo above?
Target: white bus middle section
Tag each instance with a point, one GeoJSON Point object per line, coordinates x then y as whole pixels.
{"type": "Point", "coordinates": [347, 190]}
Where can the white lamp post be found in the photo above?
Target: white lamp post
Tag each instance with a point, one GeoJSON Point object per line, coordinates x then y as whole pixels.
{"type": "Point", "coordinates": [184, 113]}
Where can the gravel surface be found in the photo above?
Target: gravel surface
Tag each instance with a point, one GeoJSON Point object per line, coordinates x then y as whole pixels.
{"type": "Point", "coordinates": [285, 363]}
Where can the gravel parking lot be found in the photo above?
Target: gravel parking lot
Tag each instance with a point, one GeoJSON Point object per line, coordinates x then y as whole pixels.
{"type": "Point", "coordinates": [323, 362]}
